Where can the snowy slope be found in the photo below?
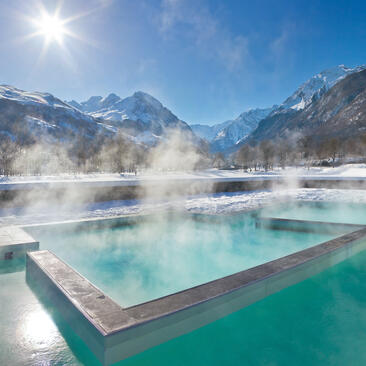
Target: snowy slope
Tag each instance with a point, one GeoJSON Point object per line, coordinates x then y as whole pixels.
{"type": "Point", "coordinates": [239, 128]}
{"type": "Point", "coordinates": [229, 133]}
{"type": "Point", "coordinates": [339, 112]}
{"type": "Point", "coordinates": [224, 137]}
{"type": "Point", "coordinates": [141, 118]}
{"type": "Point", "coordinates": [37, 99]}
{"type": "Point", "coordinates": [140, 113]}
{"type": "Point", "coordinates": [204, 203]}
{"type": "Point", "coordinates": [209, 132]}
{"type": "Point", "coordinates": [42, 115]}
{"type": "Point", "coordinates": [317, 86]}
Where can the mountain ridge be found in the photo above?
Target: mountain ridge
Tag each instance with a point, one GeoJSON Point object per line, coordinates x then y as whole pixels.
{"type": "Point", "coordinates": [228, 136]}
{"type": "Point", "coordinates": [144, 119]}
{"type": "Point", "coordinates": [339, 112]}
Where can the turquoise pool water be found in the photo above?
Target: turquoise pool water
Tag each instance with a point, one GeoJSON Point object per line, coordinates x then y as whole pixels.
{"type": "Point", "coordinates": [351, 213]}
{"type": "Point", "coordinates": [31, 332]}
{"type": "Point", "coordinates": [163, 255]}
{"type": "Point", "coordinates": [320, 321]}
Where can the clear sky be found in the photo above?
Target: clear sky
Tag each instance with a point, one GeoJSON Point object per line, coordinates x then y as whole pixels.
{"type": "Point", "coordinates": [206, 60]}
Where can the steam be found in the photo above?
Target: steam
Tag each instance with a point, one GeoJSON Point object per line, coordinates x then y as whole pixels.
{"type": "Point", "coordinates": [161, 255]}
{"type": "Point", "coordinates": [179, 153]}
{"type": "Point", "coordinates": [175, 152]}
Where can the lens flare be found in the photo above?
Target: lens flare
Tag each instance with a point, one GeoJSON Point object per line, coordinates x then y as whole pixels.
{"type": "Point", "coordinates": [51, 27]}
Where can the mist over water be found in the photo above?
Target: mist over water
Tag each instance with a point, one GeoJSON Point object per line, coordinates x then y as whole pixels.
{"type": "Point", "coordinates": [164, 254]}
{"type": "Point", "coordinates": [337, 212]}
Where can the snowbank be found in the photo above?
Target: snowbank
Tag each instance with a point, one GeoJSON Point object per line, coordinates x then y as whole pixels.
{"type": "Point", "coordinates": [344, 171]}
{"type": "Point", "coordinates": [219, 203]}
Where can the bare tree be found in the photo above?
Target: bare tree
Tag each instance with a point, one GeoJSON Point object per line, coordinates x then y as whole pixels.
{"type": "Point", "coordinates": [332, 148]}
{"type": "Point", "coordinates": [245, 157]}
{"type": "Point", "coordinates": [219, 160]}
{"type": "Point", "coordinates": [268, 150]}
{"type": "Point", "coordinates": [8, 153]}
{"type": "Point", "coordinates": [306, 148]}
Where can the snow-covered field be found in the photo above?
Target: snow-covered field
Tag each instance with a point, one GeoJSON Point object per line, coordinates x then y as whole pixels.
{"type": "Point", "coordinates": [207, 203]}
{"type": "Point", "coordinates": [344, 171]}
{"type": "Point", "coordinates": [219, 203]}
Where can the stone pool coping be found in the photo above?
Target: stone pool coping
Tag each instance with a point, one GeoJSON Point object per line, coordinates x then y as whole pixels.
{"type": "Point", "coordinates": [114, 333]}
{"type": "Point", "coordinates": [275, 223]}
{"type": "Point", "coordinates": [15, 242]}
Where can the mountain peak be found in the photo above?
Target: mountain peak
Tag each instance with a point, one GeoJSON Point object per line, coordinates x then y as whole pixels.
{"type": "Point", "coordinates": [147, 98]}
{"type": "Point", "coordinates": [316, 86]}
{"type": "Point", "coordinates": [35, 98]}
{"type": "Point", "coordinates": [141, 94]}
{"type": "Point", "coordinates": [94, 99]}
{"type": "Point", "coordinates": [110, 99]}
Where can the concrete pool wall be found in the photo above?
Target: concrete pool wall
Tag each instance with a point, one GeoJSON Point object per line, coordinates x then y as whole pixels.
{"type": "Point", "coordinates": [15, 243]}
{"type": "Point", "coordinates": [114, 333]}
{"type": "Point", "coordinates": [25, 194]}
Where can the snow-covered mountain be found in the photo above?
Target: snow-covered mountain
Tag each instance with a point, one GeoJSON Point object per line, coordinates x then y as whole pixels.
{"type": "Point", "coordinates": [229, 133]}
{"type": "Point", "coordinates": [141, 115]}
{"type": "Point", "coordinates": [340, 112]}
{"type": "Point", "coordinates": [43, 115]}
{"type": "Point", "coordinates": [227, 136]}
{"type": "Point", "coordinates": [316, 86]}
{"type": "Point", "coordinates": [141, 118]}
{"type": "Point", "coordinates": [238, 129]}
{"type": "Point", "coordinates": [209, 132]}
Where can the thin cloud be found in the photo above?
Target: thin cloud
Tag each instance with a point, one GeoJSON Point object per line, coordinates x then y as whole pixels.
{"type": "Point", "coordinates": [279, 44]}
{"type": "Point", "coordinates": [212, 38]}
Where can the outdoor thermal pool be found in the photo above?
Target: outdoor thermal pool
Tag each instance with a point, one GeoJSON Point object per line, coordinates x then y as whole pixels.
{"type": "Point", "coordinates": [161, 255]}
{"type": "Point", "coordinates": [324, 312]}
{"type": "Point", "coordinates": [350, 213]}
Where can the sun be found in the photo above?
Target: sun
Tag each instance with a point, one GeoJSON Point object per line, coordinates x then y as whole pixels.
{"type": "Point", "coordinates": [54, 27]}
{"type": "Point", "coordinates": [51, 27]}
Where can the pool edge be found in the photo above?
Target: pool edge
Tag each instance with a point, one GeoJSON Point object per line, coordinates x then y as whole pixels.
{"type": "Point", "coordinates": [157, 321]}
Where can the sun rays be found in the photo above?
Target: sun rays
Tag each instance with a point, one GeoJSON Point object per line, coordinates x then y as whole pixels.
{"type": "Point", "coordinates": [51, 27]}
{"type": "Point", "coordinates": [56, 29]}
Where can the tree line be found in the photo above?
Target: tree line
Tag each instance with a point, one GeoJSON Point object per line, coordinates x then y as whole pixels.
{"type": "Point", "coordinates": [305, 151]}
{"type": "Point", "coordinates": [98, 155]}
{"type": "Point", "coordinates": [25, 156]}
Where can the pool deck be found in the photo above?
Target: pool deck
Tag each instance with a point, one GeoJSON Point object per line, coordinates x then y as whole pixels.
{"type": "Point", "coordinates": [15, 242]}
{"type": "Point", "coordinates": [115, 333]}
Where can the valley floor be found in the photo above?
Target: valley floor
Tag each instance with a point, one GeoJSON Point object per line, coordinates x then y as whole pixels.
{"type": "Point", "coordinates": [346, 171]}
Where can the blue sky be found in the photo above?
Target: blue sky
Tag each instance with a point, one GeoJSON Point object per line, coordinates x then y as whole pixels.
{"type": "Point", "coordinates": [206, 60]}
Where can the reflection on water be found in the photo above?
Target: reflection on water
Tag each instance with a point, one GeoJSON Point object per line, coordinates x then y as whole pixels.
{"type": "Point", "coordinates": [37, 330]}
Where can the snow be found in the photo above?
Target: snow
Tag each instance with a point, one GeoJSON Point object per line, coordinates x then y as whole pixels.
{"type": "Point", "coordinates": [140, 106]}
{"type": "Point", "coordinates": [317, 85]}
{"type": "Point", "coordinates": [151, 118]}
{"type": "Point", "coordinates": [234, 131]}
{"type": "Point", "coordinates": [299, 106]}
{"type": "Point", "coordinates": [229, 133]}
{"type": "Point", "coordinates": [347, 171]}
{"type": "Point", "coordinates": [11, 93]}
{"type": "Point", "coordinates": [218, 203]}
{"type": "Point", "coordinates": [40, 122]}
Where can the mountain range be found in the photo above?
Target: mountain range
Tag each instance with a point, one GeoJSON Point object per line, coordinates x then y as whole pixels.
{"type": "Point", "coordinates": [338, 112]}
{"type": "Point", "coordinates": [258, 124]}
{"type": "Point", "coordinates": [330, 103]}
{"type": "Point", "coordinates": [228, 134]}
{"type": "Point", "coordinates": [140, 117]}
